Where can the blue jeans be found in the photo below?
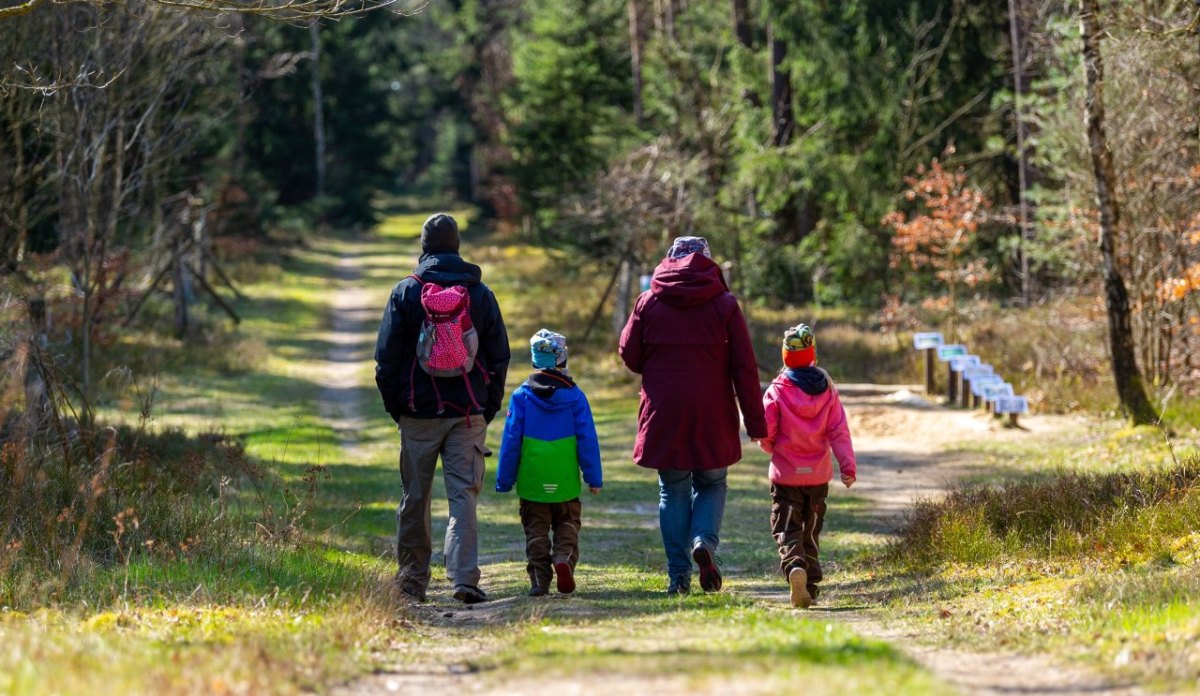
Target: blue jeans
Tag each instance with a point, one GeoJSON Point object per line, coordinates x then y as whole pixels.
{"type": "Point", "coordinates": [690, 507]}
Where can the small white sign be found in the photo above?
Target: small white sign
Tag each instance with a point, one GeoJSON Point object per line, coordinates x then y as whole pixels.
{"type": "Point", "coordinates": [1012, 404]}
{"type": "Point", "coordinates": [962, 362]}
{"type": "Point", "coordinates": [930, 339]}
{"type": "Point", "coordinates": [945, 352]}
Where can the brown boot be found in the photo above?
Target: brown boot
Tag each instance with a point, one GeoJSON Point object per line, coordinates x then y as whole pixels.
{"type": "Point", "coordinates": [798, 581]}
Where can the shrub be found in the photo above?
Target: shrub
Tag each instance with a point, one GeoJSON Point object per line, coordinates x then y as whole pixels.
{"type": "Point", "coordinates": [1121, 517]}
{"type": "Point", "coordinates": [99, 496]}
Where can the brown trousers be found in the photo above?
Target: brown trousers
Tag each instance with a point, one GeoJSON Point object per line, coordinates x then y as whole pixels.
{"type": "Point", "coordinates": [797, 515]}
{"type": "Point", "coordinates": [460, 444]}
{"type": "Point", "coordinates": [542, 519]}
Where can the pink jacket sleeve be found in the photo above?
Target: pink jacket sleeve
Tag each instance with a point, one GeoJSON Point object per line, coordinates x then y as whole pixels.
{"type": "Point", "coordinates": [771, 409]}
{"type": "Point", "coordinates": [630, 347]}
{"type": "Point", "coordinates": [838, 431]}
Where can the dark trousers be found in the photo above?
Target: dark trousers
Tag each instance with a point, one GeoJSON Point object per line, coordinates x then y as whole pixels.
{"type": "Point", "coordinates": [551, 536]}
{"type": "Point", "coordinates": [797, 515]}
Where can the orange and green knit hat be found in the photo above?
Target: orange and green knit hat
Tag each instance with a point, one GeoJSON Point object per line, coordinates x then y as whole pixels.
{"type": "Point", "coordinates": [799, 347]}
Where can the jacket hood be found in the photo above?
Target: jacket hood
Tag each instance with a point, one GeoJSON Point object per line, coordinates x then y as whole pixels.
{"type": "Point", "coordinates": [553, 387]}
{"type": "Point", "coordinates": [806, 404]}
{"type": "Point", "coordinates": [447, 269]}
{"type": "Point", "coordinates": [810, 379]}
{"type": "Point", "coordinates": [688, 281]}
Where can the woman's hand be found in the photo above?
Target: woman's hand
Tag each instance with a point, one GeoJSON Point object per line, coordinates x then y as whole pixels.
{"type": "Point", "coordinates": [848, 480]}
{"type": "Point", "coordinates": [594, 490]}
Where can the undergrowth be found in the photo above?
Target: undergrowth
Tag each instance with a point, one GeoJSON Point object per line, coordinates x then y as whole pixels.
{"type": "Point", "coordinates": [1123, 517]}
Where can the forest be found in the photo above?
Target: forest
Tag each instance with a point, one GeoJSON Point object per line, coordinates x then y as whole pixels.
{"type": "Point", "coordinates": [203, 206]}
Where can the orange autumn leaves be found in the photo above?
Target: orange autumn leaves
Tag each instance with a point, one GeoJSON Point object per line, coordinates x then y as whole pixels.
{"type": "Point", "coordinates": [1177, 289]}
{"type": "Point", "coordinates": [940, 236]}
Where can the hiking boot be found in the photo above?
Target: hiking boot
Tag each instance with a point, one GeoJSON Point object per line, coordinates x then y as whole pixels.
{"type": "Point", "coordinates": [409, 589]}
{"type": "Point", "coordinates": [565, 576]}
{"type": "Point", "coordinates": [798, 581]}
{"type": "Point", "coordinates": [679, 586]}
{"type": "Point", "coordinates": [538, 591]}
{"type": "Point", "coordinates": [469, 594]}
{"type": "Point", "coordinates": [710, 576]}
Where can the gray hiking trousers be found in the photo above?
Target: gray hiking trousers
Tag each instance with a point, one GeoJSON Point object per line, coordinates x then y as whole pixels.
{"type": "Point", "coordinates": [460, 444]}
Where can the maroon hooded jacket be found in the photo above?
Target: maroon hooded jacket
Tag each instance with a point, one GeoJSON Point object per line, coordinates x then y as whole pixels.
{"type": "Point", "coordinates": [688, 339]}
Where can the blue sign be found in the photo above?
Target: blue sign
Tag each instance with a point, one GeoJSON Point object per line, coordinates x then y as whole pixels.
{"type": "Point", "coordinates": [991, 392]}
{"type": "Point", "coordinates": [974, 373]}
{"type": "Point", "coordinates": [931, 339]}
{"type": "Point", "coordinates": [961, 362]}
{"type": "Point", "coordinates": [1012, 404]}
{"type": "Point", "coordinates": [945, 352]}
{"type": "Point", "coordinates": [978, 384]}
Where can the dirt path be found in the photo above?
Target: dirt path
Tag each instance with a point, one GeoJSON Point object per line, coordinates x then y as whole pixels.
{"type": "Point", "coordinates": [350, 340]}
{"type": "Point", "coordinates": [902, 440]}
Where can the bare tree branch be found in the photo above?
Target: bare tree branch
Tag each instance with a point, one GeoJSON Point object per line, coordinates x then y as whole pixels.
{"type": "Point", "coordinates": [283, 10]}
{"type": "Point", "coordinates": [21, 9]}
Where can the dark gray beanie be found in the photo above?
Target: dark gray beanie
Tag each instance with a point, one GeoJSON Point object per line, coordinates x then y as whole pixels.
{"type": "Point", "coordinates": [439, 235]}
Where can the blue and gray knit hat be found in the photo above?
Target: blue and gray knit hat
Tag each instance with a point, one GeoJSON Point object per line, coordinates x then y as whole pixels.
{"type": "Point", "coordinates": [682, 246]}
{"type": "Point", "coordinates": [549, 350]}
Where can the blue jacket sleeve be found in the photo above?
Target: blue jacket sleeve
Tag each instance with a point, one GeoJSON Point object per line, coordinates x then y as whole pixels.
{"type": "Point", "coordinates": [587, 444]}
{"type": "Point", "coordinates": [510, 444]}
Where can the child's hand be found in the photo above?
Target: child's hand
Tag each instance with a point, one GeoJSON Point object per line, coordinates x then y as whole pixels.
{"type": "Point", "coordinates": [848, 480]}
{"type": "Point", "coordinates": [762, 445]}
{"type": "Point", "coordinates": [594, 489]}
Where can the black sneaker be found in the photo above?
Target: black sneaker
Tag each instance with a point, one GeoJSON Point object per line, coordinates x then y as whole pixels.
{"type": "Point", "coordinates": [814, 591]}
{"type": "Point", "coordinates": [710, 576]}
{"type": "Point", "coordinates": [679, 586]}
{"type": "Point", "coordinates": [469, 594]}
{"type": "Point", "coordinates": [538, 591]}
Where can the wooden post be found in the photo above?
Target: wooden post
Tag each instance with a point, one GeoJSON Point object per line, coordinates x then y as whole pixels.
{"type": "Point", "coordinates": [930, 359]}
{"type": "Point", "coordinates": [37, 400]}
{"type": "Point", "coordinates": [1012, 420]}
{"type": "Point", "coordinates": [179, 291]}
{"type": "Point", "coordinates": [966, 390]}
{"type": "Point", "coordinates": [951, 385]}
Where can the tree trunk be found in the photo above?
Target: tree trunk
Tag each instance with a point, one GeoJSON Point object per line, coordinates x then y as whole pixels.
{"type": "Point", "coordinates": [1130, 389]}
{"type": "Point", "coordinates": [783, 125]}
{"type": "Point", "coordinates": [314, 33]}
{"type": "Point", "coordinates": [625, 281]}
{"type": "Point", "coordinates": [635, 53]}
{"type": "Point", "coordinates": [1020, 85]}
{"type": "Point", "coordinates": [741, 23]}
{"type": "Point", "coordinates": [783, 120]}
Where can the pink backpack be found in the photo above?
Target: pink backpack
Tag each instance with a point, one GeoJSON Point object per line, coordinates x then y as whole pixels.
{"type": "Point", "coordinates": [447, 344]}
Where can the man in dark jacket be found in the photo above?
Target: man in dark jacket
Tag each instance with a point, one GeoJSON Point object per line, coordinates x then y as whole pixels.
{"type": "Point", "coordinates": [440, 416]}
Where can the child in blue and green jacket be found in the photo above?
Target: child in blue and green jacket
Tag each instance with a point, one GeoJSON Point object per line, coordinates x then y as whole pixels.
{"type": "Point", "coordinates": [549, 437]}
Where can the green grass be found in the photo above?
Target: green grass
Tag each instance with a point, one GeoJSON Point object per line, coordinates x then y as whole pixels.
{"type": "Point", "coordinates": [1085, 548]}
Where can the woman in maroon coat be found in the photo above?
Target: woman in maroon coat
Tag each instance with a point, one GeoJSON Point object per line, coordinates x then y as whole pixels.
{"type": "Point", "coordinates": [688, 339]}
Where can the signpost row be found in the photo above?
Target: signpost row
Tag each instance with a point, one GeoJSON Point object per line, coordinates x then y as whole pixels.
{"type": "Point", "coordinates": [969, 381]}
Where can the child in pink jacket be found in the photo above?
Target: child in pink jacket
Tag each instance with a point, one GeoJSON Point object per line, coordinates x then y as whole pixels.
{"type": "Point", "coordinates": [805, 419]}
